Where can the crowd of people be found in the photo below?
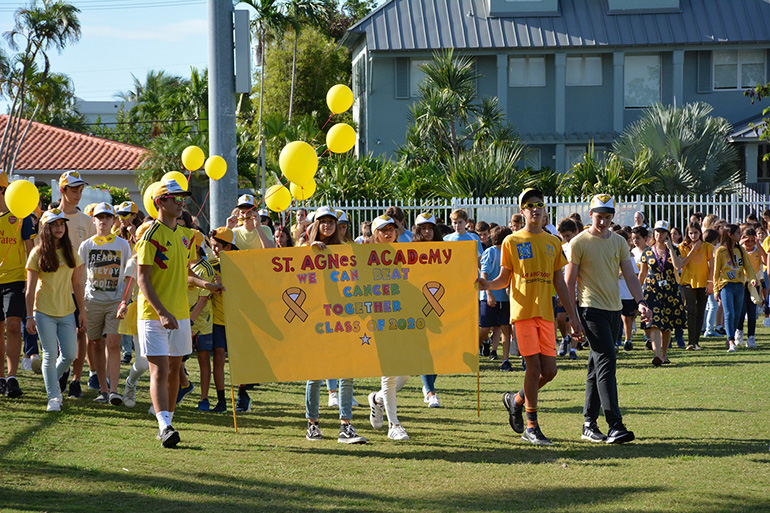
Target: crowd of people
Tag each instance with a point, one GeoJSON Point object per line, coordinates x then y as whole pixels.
{"type": "Point", "coordinates": [110, 286]}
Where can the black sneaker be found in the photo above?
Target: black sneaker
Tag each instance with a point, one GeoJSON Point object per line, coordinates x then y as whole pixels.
{"type": "Point", "coordinates": [126, 359]}
{"type": "Point", "coordinates": [619, 435]}
{"type": "Point", "coordinates": [592, 434]}
{"type": "Point", "coordinates": [648, 344]}
{"type": "Point", "coordinates": [3, 386]}
{"type": "Point", "coordinates": [515, 416]}
{"type": "Point", "coordinates": [485, 348]}
{"type": "Point", "coordinates": [63, 381]}
{"type": "Point", "coordinates": [313, 432]}
{"type": "Point", "coordinates": [628, 346]}
{"type": "Point", "coordinates": [506, 366]}
{"type": "Point", "coordinates": [93, 382]}
{"type": "Point", "coordinates": [169, 437]}
{"type": "Point", "coordinates": [564, 346]}
{"type": "Point", "coordinates": [348, 435]}
{"type": "Point", "coordinates": [12, 389]}
{"type": "Point", "coordinates": [573, 355]}
{"type": "Point", "coordinates": [535, 436]}
{"type": "Point", "coordinates": [75, 390]}
{"type": "Point", "coordinates": [493, 355]}
{"type": "Point", "coordinates": [221, 407]}
{"type": "Point", "coordinates": [243, 405]}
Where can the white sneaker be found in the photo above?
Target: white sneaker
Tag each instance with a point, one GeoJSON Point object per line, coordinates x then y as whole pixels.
{"type": "Point", "coordinates": [424, 394]}
{"type": "Point", "coordinates": [731, 349]}
{"type": "Point", "coordinates": [752, 343]}
{"type": "Point", "coordinates": [334, 400]}
{"type": "Point", "coordinates": [26, 364]}
{"type": "Point", "coordinates": [433, 402]}
{"type": "Point", "coordinates": [53, 405]}
{"type": "Point", "coordinates": [397, 432]}
{"type": "Point", "coordinates": [129, 395]}
{"type": "Point", "coordinates": [36, 363]}
{"type": "Point", "coordinates": [738, 337]}
{"type": "Point", "coordinates": [355, 403]}
{"type": "Point", "coordinates": [375, 415]}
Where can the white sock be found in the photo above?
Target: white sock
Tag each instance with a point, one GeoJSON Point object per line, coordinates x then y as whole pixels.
{"type": "Point", "coordinates": [379, 398]}
{"type": "Point", "coordinates": [164, 419]}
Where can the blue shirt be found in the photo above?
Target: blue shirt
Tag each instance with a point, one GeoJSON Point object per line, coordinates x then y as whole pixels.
{"type": "Point", "coordinates": [405, 237]}
{"type": "Point", "coordinates": [466, 236]}
{"type": "Point", "coordinates": [490, 264]}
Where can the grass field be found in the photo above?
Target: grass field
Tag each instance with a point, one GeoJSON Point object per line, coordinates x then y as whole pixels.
{"type": "Point", "coordinates": [702, 427]}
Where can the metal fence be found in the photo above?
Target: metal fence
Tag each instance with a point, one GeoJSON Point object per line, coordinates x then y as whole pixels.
{"type": "Point", "coordinates": [674, 209]}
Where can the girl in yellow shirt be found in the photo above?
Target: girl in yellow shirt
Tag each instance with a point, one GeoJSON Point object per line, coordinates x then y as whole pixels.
{"type": "Point", "coordinates": [697, 268]}
{"type": "Point", "coordinates": [54, 272]}
{"type": "Point", "coordinates": [732, 270]}
{"type": "Point", "coordinates": [756, 255]}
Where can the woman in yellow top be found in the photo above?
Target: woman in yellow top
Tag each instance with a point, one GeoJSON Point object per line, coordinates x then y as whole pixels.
{"type": "Point", "coordinates": [756, 255]}
{"type": "Point", "coordinates": [732, 269]}
{"type": "Point", "coordinates": [697, 269]}
{"type": "Point", "coordinates": [54, 272]}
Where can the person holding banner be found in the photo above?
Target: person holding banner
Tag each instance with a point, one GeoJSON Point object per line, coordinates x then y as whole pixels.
{"type": "Point", "coordinates": [385, 230]}
{"type": "Point", "coordinates": [532, 262]}
{"type": "Point", "coordinates": [596, 254]}
{"type": "Point", "coordinates": [322, 233]}
{"type": "Point", "coordinates": [425, 231]}
{"type": "Point", "coordinates": [162, 256]}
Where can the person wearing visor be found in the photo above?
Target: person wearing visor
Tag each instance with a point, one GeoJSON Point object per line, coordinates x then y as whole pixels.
{"type": "Point", "coordinates": [163, 255]}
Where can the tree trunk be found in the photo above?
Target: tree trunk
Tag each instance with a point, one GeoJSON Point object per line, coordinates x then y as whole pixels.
{"type": "Point", "coordinates": [261, 108]}
{"type": "Point", "coordinates": [293, 74]}
{"type": "Point", "coordinates": [12, 167]}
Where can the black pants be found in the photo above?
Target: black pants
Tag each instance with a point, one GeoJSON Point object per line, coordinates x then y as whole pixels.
{"type": "Point", "coordinates": [695, 305]}
{"type": "Point", "coordinates": [602, 329]}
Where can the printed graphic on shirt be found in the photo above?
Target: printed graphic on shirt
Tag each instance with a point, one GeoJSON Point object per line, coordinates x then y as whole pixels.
{"type": "Point", "coordinates": [160, 257]}
{"type": "Point", "coordinates": [104, 268]}
{"type": "Point", "coordinates": [525, 250]}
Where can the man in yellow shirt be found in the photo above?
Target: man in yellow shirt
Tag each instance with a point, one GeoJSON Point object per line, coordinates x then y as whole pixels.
{"type": "Point", "coordinates": [532, 262]}
{"type": "Point", "coordinates": [251, 234]}
{"type": "Point", "coordinates": [163, 255]}
{"type": "Point", "coordinates": [16, 241]}
{"type": "Point", "coordinates": [596, 255]}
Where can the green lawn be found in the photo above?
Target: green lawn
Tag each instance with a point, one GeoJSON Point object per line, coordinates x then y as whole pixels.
{"type": "Point", "coordinates": [702, 427]}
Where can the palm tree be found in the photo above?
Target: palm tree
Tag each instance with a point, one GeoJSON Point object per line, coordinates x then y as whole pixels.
{"type": "Point", "coordinates": [302, 12]}
{"type": "Point", "coordinates": [38, 28]}
{"type": "Point", "coordinates": [613, 176]}
{"type": "Point", "coordinates": [688, 149]}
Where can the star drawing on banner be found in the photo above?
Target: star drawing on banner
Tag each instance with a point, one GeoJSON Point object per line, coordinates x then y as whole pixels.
{"type": "Point", "coordinates": [365, 339]}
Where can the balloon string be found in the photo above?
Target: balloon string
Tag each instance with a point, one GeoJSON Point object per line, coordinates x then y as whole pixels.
{"type": "Point", "coordinates": [18, 227]}
{"type": "Point", "coordinates": [322, 128]}
{"type": "Point", "coordinates": [204, 202]}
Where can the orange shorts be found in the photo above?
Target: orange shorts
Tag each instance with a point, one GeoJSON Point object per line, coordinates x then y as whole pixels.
{"type": "Point", "coordinates": [535, 336]}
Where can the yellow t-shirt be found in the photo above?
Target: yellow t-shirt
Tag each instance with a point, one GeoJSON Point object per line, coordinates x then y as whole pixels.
{"type": "Point", "coordinates": [80, 227]}
{"type": "Point", "coordinates": [756, 261]}
{"type": "Point", "coordinates": [599, 263]}
{"type": "Point", "coordinates": [53, 294]}
{"type": "Point", "coordinates": [532, 259]}
{"type": "Point", "coordinates": [766, 244]}
{"type": "Point", "coordinates": [245, 239]}
{"type": "Point", "coordinates": [731, 270]}
{"type": "Point", "coordinates": [13, 233]}
{"type": "Point", "coordinates": [205, 272]}
{"type": "Point", "coordinates": [696, 272]}
{"type": "Point", "coordinates": [168, 252]}
{"type": "Point", "coordinates": [217, 301]}
{"type": "Point", "coordinates": [127, 324]}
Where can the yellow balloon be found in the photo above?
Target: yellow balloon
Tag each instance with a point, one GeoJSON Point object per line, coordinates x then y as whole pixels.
{"type": "Point", "coordinates": [339, 98]}
{"type": "Point", "coordinates": [192, 158]}
{"type": "Point", "coordinates": [340, 138]}
{"type": "Point", "coordinates": [298, 162]}
{"type": "Point", "coordinates": [179, 177]}
{"type": "Point", "coordinates": [302, 192]}
{"type": "Point", "coordinates": [215, 167]}
{"type": "Point", "coordinates": [149, 205]}
{"type": "Point", "coordinates": [277, 198]}
{"type": "Point", "coordinates": [22, 198]}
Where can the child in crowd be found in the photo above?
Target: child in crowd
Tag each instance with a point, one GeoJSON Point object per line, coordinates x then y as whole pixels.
{"type": "Point", "coordinates": [567, 230]}
{"type": "Point", "coordinates": [459, 219]}
{"type": "Point", "coordinates": [756, 256]}
{"type": "Point", "coordinates": [628, 314]}
{"type": "Point", "coordinates": [54, 271]}
{"type": "Point", "coordinates": [495, 305]}
{"type": "Point", "coordinates": [696, 282]}
{"type": "Point", "coordinates": [482, 230]}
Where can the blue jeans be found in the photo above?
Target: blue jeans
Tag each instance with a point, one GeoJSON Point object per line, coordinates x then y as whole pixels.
{"type": "Point", "coordinates": [127, 344]}
{"type": "Point", "coordinates": [429, 382]}
{"type": "Point", "coordinates": [331, 384]}
{"type": "Point", "coordinates": [313, 397]}
{"type": "Point", "coordinates": [750, 311]}
{"type": "Point", "coordinates": [732, 304]}
{"type": "Point", "coordinates": [712, 307]}
{"type": "Point", "coordinates": [50, 329]}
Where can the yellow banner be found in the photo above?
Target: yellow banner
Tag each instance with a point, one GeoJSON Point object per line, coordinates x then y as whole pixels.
{"type": "Point", "coordinates": [351, 311]}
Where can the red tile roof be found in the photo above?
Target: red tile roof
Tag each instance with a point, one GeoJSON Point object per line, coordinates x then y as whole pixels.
{"type": "Point", "coordinates": [51, 148]}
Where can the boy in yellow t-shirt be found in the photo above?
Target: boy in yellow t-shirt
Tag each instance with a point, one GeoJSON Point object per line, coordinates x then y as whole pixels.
{"type": "Point", "coordinates": [532, 262]}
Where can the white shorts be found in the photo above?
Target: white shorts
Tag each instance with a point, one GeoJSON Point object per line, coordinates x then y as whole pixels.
{"type": "Point", "coordinates": [155, 340]}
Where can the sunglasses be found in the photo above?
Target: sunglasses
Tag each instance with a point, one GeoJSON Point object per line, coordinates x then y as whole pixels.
{"type": "Point", "coordinates": [177, 199]}
{"type": "Point", "coordinates": [536, 204]}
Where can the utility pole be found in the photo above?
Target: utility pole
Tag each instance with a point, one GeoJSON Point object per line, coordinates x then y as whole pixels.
{"type": "Point", "coordinates": [222, 134]}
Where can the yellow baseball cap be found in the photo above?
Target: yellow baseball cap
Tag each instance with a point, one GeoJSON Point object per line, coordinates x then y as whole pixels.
{"type": "Point", "coordinates": [70, 179]}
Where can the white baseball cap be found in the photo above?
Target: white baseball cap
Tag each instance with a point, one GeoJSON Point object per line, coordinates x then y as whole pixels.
{"type": "Point", "coordinates": [103, 208]}
{"type": "Point", "coordinates": [661, 225]}
{"type": "Point", "coordinates": [425, 218]}
{"type": "Point", "coordinates": [382, 221]}
{"type": "Point", "coordinates": [325, 211]}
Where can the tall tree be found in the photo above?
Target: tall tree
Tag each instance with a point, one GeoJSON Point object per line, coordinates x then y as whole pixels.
{"type": "Point", "coordinates": [300, 13]}
{"type": "Point", "coordinates": [38, 28]}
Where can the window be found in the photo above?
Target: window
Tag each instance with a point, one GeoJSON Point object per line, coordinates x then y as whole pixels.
{"type": "Point", "coordinates": [763, 166]}
{"type": "Point", "coordinates": [584, 71]}
{"type": "Point", "coordinates": [575, 155]}
{"type": "Point", "coordinates": [736, 69]}
{"type": "Point", "coordinates": [416, 76]}
{"type": "Point", "coordinates": [641, 80]}
{"type": "Point", "coordinates": [526, 72]}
